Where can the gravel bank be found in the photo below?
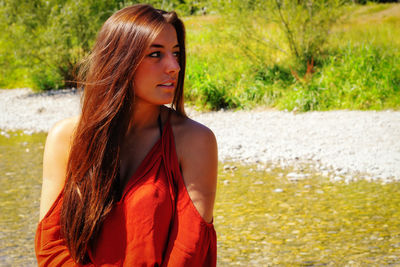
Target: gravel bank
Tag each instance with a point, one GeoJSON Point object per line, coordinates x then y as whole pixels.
{"type": "Point", "coordinates": [338, 144]}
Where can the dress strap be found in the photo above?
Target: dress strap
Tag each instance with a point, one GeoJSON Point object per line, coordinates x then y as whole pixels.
{"type": "Point", "coordinates": [160, 124]}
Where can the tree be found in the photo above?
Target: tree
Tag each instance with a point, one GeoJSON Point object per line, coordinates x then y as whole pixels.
{"type": "Point", "coordinates": [305, 24]}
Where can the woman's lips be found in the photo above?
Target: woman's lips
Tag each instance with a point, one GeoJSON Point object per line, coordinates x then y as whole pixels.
{"type": "Point", "coordinates": [167, 85]}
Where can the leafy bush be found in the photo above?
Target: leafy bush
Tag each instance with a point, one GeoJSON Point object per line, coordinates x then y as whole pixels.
{"type": "Point", "coordinates": [355, 77]}
{"type": "Point", "coordinates": [46, 79]}
{"type": "Point", "coordinates": [305, 25]}
{"type": "Point", "coordinates": [208, 91]}
{"type": "Point", "coordinates": [60, 34]}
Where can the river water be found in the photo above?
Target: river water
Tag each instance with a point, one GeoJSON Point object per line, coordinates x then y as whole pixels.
{"type": "Point", "coordinates": [20, 183]}
{"type": "Point", "coordinates": [262, 216]}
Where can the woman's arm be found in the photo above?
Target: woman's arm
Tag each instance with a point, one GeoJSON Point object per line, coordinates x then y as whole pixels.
{"type": "Point", "coordinates": [50, 247]}
{"type": "Point", "coordinates": [55, 160]}
{"type": "Point", "coordinates": [198, 156]}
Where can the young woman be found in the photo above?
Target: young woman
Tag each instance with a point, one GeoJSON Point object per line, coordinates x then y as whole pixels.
{"type": "Point", "coordinates": [130, 182]}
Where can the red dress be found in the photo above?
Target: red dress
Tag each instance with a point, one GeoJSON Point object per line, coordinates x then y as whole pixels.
{"type": "Point", "coordinates": [154, 224]}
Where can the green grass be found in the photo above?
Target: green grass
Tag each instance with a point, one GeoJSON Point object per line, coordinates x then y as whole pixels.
{"type": "Point", "coordinates": [16, 78]}
{"type": "Point", "coordinates": [353, 77]}
{"type": "Point", "coordinates": [357, 69]}
{"type": "Point", "coordinates": [309, 222]}
{"type": "Point", "coordinates": [371, 8]}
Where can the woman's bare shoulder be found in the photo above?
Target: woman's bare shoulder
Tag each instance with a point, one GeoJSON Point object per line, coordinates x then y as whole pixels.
{"type": "Point", "coordinates": [63, 129]}
{"type": "Point", "coordinates": [59, 138]}
{"type": "Point", "coordinates": [188, 131]}
{"type": "Point", "coordinates": [55, 159]}
{"type": "Point", "coordinates": [197, 153]}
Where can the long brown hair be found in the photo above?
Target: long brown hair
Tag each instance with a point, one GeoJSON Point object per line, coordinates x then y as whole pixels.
{"type": "Point", "coordinates": [92, 177]}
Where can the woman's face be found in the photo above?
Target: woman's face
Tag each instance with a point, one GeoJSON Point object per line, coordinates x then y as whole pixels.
{"type": "Point", "coordinates": [156, 77]}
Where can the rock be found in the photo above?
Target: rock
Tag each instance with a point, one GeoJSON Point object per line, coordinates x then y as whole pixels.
{"type": "Point", "coordinates": [337, 179]}
{"type": "Point", "coordinates": [229, 167]}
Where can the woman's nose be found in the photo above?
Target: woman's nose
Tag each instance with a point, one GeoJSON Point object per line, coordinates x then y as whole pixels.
{"type": "Point", "coordinates": [172, 64]}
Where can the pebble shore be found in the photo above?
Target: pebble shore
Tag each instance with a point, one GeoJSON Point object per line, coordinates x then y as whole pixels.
{"type": "Point", "coordinates": [341, 145]}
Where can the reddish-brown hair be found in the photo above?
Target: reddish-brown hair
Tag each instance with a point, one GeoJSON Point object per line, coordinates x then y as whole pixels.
{"type": "Point", "coordinates": [92, 178]}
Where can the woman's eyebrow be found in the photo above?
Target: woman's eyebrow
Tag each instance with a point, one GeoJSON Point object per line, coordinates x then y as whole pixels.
{"type": "Point", "coordinates": [161, 46]}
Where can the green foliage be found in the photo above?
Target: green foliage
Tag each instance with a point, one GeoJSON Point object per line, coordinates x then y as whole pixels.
{"type": "Point", "coordinates": [355, 77]}
{"type": "Point", "coordinates": [250, 53]}
{"type": "Point", "coordinates": [356, 68]}
{"type": "Point", "coordinates": [363, 2]}
{"type": "Point", "coordinates": [305, 25]}
{"type": "Point", "coordinates": [46, 79]}
{"type": "Point", "coordinates": [68, 36]}
{"type": "Point", "coordinates": [207, 91]}
{"type": "Point", "coordinates": [61, 34]}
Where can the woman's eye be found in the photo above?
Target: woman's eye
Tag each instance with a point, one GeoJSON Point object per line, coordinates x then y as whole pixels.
{"type": "Point", "coordinates": [176, 54]}
{"type": "Point", "coordinates": [155, 54]}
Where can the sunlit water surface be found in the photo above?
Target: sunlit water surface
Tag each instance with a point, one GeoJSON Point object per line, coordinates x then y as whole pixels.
{"type": "Point", "coordinates": [262, 218]}
{"type": "Point", "coordinates": [20, 183]}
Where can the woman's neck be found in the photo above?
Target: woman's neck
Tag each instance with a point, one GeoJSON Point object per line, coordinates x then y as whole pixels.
{"type": "Point", "coordinates": [144, 116]}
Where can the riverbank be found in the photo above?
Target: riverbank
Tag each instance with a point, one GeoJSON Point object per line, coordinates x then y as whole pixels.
{"type": "Point", "coordinates": [340, 145]}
